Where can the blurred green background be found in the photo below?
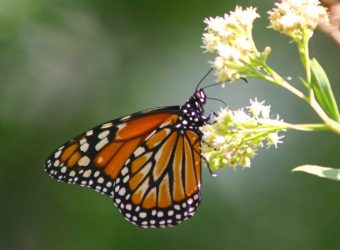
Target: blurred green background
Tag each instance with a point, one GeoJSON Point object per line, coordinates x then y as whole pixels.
{"type": "Point", "coordinates": [67, 65]}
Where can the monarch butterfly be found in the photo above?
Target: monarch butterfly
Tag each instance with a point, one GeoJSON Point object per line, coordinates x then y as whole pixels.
{"type": "Point", "coordinates": [148, 162]}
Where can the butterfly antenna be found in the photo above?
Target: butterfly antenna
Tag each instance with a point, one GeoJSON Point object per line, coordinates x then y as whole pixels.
{"type": "Point", "coordinates": [244, 79]}
{"type": "Point", "coordinates": [214, 84]}
{"type": "Point", "coordinates": [199, 83]}
{"type": "Point", "coordinates": [216, 99]}
{"type": "Point", "coordinates": [218, 83]}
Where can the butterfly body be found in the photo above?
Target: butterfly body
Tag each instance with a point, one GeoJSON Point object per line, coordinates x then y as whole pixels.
{"type": "Point", "coordinates": [148, 162]}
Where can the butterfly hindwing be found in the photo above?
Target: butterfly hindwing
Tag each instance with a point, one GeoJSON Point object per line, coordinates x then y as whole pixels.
{"type": "Point", "coordinates": [162, 179]}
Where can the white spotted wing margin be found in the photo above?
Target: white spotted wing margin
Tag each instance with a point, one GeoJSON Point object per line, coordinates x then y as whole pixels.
{"type": "Point", "coordinates": [144, 177]}
{"type": "Point", "coordinates": [80, 168]}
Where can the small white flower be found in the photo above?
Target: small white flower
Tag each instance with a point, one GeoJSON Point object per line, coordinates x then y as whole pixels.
{"type": "Point", "coordinates": [297, 18]}
{"type": "Point", "coordinates": [274, 139]}
{"type": "Point", "coordinates": [216, 24]}
{"type": "Point", "coordinates": [244, 18]}
{"type": "Point", "coordinates": [258, 109]}
{"type": "Point", "coordinates": [210, 40]}
{"type": "Point", "coordinates": [240, 117]}
{"type": "Point", "coordinates": [245, 162]}
{"type": "Point", "coordinates": [231, 39]}
{"type": "Point", "coordinates": [219, 140]}
{"type": "Point", "coordinates": [235, 136]}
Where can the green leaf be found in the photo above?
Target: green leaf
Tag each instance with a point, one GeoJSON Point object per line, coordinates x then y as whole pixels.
{"type": "Point", "coordinates": [323, 90]}
{"type": "Point", "coordinates": [324, 172]}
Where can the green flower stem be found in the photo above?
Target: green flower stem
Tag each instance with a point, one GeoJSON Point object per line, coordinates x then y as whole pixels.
{"type": "Point", "coordinates": [304, 54]}
{"type": "Point", "coordinates": [270, 126]}
{"type": "Point", "coordinates": [310, 127]}
{"type": "Point", "coordinates": [330, 123]}
{"type": "Point", "coordinates": [303, 47]}
{"type": "Point", "coordinates": [261, 135]}
{"type": "Point", "coordinates": [277, 79]}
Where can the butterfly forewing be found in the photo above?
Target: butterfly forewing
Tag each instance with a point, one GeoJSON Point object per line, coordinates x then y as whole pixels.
{"type": "Point", "coordinates": [95, 158]}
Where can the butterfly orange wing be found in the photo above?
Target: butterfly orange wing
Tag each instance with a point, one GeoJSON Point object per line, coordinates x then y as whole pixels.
{"type": "Point", "coordinates": [159, 185]}
{"type": "Point", "coordinates": [95, 157]}
{"type": "Point", "coordinates": [150, 168]}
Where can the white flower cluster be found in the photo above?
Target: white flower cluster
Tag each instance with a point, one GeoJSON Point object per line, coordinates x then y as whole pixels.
{"type": "Point", "coordinates": [235, 136]}
{"type": "Point", "coordinates": [297, 18]}
{"type": "Point", "coordinates": [230, 37]}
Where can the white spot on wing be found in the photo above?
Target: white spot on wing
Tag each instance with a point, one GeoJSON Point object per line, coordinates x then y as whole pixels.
{"type": "Point", "coordinates": [125, 117]}
{"type": "Point", "coordinates": [89, 133]}
{"type": "Point", "coordinates": [150, 135]}
{"type": "Point", "coordinates": [107, 125]}
{"type": "Point", "coordinates": [104, 134]}
{"type": "Point", "coordinates": [124, 171]}
{"type": "Point", "coordinates": [122, 191]}
{"type": "Point", "coordinates": [82, 141]}
{"type": "Point", "coordinates": [100, 180]}
{"type": "Point", "coordinates": [101, 144]}
{"type": "Point", "coordinates": [57, 154]}
{"type": "Point", "coordinates": [56, 163]}
{"type": "Point", "coordinates": [139, 151]}
{"type": "Point", "coordinates": [126, 178]}
{"type": "Point", "coordinates": [87, 173]}
{"type": "Point", "coordinates": [84, 161]}
{"type": "Point", "coordinates": [84, 147]}
{"type": "Point", "coordinates": [120, 126]}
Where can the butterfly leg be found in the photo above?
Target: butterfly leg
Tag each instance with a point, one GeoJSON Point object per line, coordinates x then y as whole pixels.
{"type": "Point", "coordinates": [213, 174]}
{"type": "Point", "coordinates": [206, 162]}
{"type": "Point", "coordinates": [211, 117]}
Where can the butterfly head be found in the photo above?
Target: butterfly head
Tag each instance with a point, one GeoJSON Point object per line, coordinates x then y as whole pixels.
{"type": "Point", "coordinates": [200, 97]}
{"type": "Point", "coordinates": [192, 111]}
